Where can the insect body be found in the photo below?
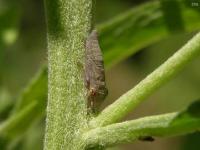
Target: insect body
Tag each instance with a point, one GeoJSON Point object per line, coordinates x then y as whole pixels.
{"type": "Point", "coordinates": [94, 73]}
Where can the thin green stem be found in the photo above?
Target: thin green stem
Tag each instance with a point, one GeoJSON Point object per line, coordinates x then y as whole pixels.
{"type": "Point", "coordinates": [68, 24]}
{"type": "Point", "coordinates": [151, 83]}
{"type": "Point", "coordinates": [166, 125]}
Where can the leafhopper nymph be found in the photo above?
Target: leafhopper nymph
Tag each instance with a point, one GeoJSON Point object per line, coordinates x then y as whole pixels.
{"type": "Point", "coordinates": [94, 73]}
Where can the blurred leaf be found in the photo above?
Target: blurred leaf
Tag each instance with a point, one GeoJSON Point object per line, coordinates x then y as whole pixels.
{"type": "Point", "coordinates": [29, 108]}
{"type": "Point", "coordinates": [173, 20]}
{"type": "Point", "coordinates": [33, 140]}
{"type": "Point", "coordinates": [191, 142]}
{"type": "Point", "coordinates": [105, 9]}
{"type": "Point", "coordinates": [9, 20]}
{"type": "Point", "coordinates": [141, 26]}
{"type": "Point", "coordinates": [5, 103]}
{"type": "Point", "coordinates": [35, 91]}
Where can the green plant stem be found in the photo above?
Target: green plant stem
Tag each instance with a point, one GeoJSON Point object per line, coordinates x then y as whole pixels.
{"type": "Point", "coordinates": [151, 83]}
{"type": "Point", "coordinates": [68, 23]}
{"type": "Point", "coordinates": [166, 125]}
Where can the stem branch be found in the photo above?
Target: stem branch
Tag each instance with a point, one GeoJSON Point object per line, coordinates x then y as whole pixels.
{"type": "Point", "coordinates": [154, 126]}
{"type": "Point", "coordinates": [151, 83]}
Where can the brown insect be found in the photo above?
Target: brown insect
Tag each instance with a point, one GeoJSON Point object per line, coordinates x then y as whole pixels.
{"type": "Point", "coordinates": [94, 73]}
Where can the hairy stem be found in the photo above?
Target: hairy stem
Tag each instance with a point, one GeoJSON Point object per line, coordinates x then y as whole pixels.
{"type": "Point", "coordinates": [154, 126]}
{"type": "Point", "coordinates": [68, 23]}
{"type": "Point", "coordinates": [151, 83]}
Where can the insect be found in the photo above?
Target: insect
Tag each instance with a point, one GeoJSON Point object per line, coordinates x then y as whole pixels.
{"type": "Point", "coordinates": [146, 138]}
{"type": "Point", "coordinates": [94, 73]}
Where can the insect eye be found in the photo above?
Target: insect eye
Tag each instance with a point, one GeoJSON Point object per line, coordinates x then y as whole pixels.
{"type": "Point", "coordinates": [93, 92]}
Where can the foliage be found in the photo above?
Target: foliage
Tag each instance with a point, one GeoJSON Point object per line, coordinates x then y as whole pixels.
{"type": "Point", "coordinates": [134, 30]}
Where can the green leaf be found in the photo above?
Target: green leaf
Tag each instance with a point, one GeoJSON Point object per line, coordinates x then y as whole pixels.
{"type": "Point", "coordinates": [29, 107]}
{"type": "Point", "coordinates": [6, 103]}
{"type": "Point", "coordinates": [174, 21]}
{"type": "Point", "coordinates": [140, 27]}
{"type": "Point", "coordinates": [35, 91]}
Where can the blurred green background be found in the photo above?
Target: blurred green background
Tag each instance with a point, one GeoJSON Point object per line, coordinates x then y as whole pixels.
{"type": "Point", "coordinates": [23, 51]}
